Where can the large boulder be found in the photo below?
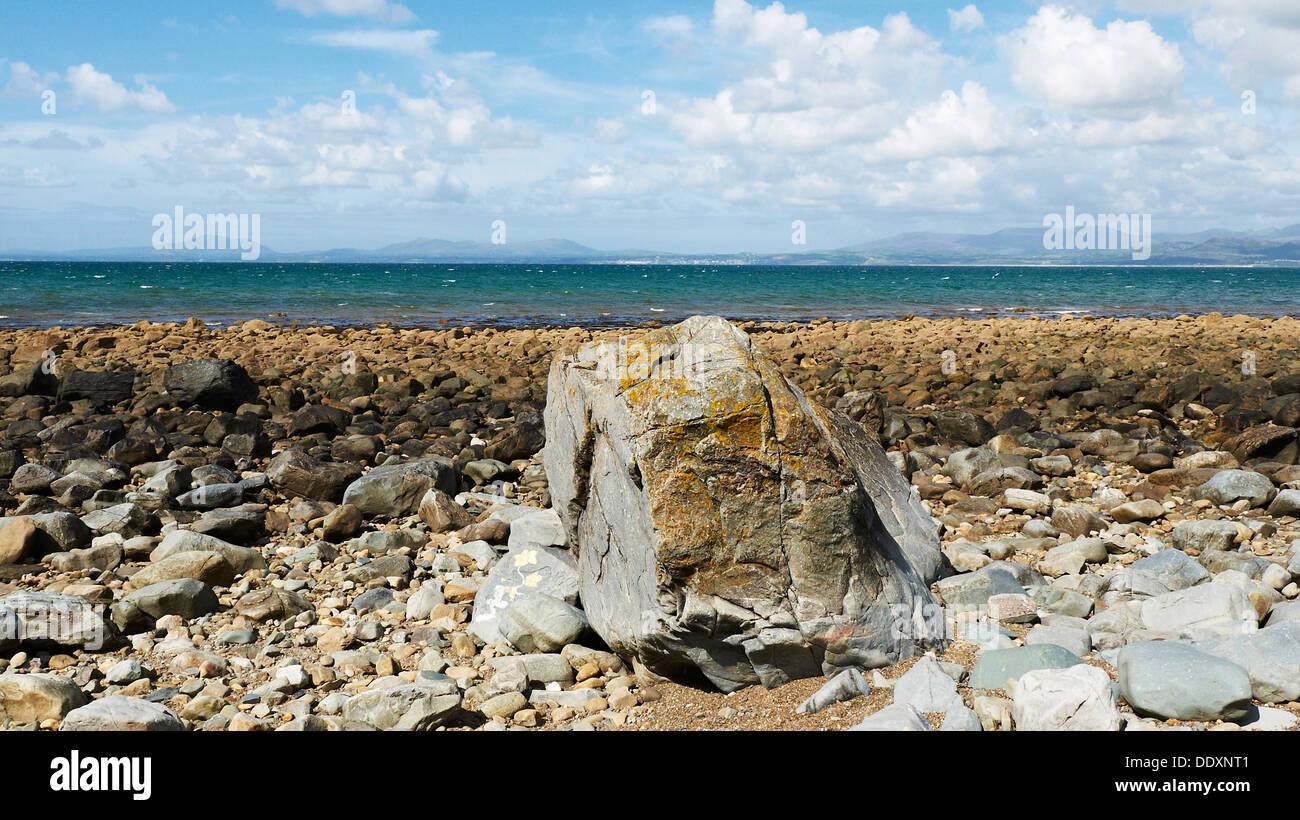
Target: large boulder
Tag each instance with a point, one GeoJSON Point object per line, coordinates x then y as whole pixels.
{"type": "Point", "coordinates": [723, 522]}
{"type": "Point", "coordinates": [212, 384]}
{"type": "Point", "coordinates": [395, 490]}
{"type": "Point", "coordinates": [297, 474]}
{"type": "Point", "coordinates": [100, 388]}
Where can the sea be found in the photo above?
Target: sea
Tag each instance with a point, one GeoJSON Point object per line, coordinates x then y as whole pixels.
{"type": "Point", "coordinates": [45, 294]}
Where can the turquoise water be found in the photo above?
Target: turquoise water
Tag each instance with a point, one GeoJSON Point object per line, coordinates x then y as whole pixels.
{"type": "Point", "coordinates": [83, 293]}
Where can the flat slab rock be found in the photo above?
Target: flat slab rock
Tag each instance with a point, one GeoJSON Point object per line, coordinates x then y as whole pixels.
{"type": "Point", "coordinates": [723, 523]}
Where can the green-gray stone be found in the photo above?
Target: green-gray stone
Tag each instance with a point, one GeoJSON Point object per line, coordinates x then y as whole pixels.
{"type": "Point", "coordinates": [996, 666]}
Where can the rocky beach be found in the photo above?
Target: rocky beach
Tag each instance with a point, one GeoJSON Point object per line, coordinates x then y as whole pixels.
{"type": "Point", "coordinates": [913, 524]}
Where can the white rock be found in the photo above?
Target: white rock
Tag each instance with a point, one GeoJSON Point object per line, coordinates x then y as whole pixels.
{"type": "Point", "coordinates": [1077, 698]}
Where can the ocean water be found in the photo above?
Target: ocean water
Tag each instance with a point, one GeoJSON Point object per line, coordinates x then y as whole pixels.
{"type": "Point", "coordinates": [41, 294]}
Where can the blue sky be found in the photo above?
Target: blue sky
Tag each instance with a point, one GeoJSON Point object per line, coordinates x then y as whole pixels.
{"type": "Point", "coordinates": [861, 119]}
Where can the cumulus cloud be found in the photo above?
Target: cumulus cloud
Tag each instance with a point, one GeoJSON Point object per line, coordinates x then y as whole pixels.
{"type": "Point", "coordinates": [91, 87]}
{"type": "Point", "coordinates": [968, 19]}
{"type": "Point", "coordinates": [1062, 59]}
{"type": "Point", "coordinates": [25, 81]}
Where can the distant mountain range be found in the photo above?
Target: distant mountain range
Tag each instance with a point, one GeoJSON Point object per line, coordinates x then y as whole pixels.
{"type": "Point", "coordinates": [1010, 246]}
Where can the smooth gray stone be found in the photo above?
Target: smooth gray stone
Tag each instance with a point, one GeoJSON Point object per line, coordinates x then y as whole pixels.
{"type": "Point", "coordinates": [1270, 656]}
{"type": "Point", "coordinates": [961, 719]}
{"type": "Point", "coordinates": [845, 686]}
{"type": "Point", "coordinates": [926, 687]}
{"type": "Point", "coordinates": [1228, 486]}
{"type": "Point", "coordinates": [1078, 641]}
{"type": "Point", "coordinates": [1171, 679]}
{"type": "Point", "coordinates": [894, 718]}
{"type": "Point", "coordinates": [119, 713]}
{"type": "Point", "coordinates": [996, 666]}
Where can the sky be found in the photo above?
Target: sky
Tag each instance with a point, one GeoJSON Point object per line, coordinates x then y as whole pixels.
{"type": "Point", "coordinates": [672, 126]}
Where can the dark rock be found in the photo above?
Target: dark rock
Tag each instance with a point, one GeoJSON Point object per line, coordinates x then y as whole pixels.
{"type": "Point", "coordinates": [212, 384]}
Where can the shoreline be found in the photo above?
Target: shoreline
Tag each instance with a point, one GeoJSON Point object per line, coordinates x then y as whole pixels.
{"type": "Point", "coordinates": [973, 315]}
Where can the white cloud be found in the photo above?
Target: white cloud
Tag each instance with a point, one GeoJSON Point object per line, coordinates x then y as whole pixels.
{"type": "Point", "coordinates": [1061, 58]}
{"type": "Point", "coordinates": [968, 19]}
{"type": "Point", "coordinates": [47, 175]}
{"type": "Point", "coordinates": [91, 87]}
{"type": "Point", "coordinates": [24, 81]}
{"type": "Point", "coordinates": [379, 9]}
{"type": "Point", "coordinates": [678, 25]}
{"type": "Point", "coordinates": [953, 126]}
{"type": "Point", "coordinates": [409, 43]}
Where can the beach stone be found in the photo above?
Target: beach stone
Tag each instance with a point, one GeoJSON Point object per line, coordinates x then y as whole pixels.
{"type": "Point", "coordinates": [962, 427]}
{"type": "Point", "coordinates": [270, 603]}
{"type": "Point", "coordinates": [60, 619]}
{"type": "Point", "coordinates": [209, 567]}
{"type": "Point", "coordinates": [1212, 605]}
{"type": "Point", "coordinates": [1015, 608]}
{"type": "Point", "coordinates": [20, 539]}
{"type": "Point", "coordinates": [124, 672]}
{"type": "Point", "coordinates": [1205, 534]}
{"type": "Point", "coordinates": [34, 696]}
{"type": "Point", "coordinates": [965, 464]}
{"type": "Point", "coordinates": [1077, 698]}
{"type": "Point", "coordinates": [996, 666]}
{"type": "Point", "coordinates": [1076, 520]}
{"type": "Point", "coordinates": [1228, 486]}
{"type": "Point", "coordinates": [396, 490]}
{"type": "Point", "coordinates": [298, 475]}
{"type": "Point", "coordinates": [319, 418]}
{"type": "Point", "coordinates": [1270, 656]}
{"type": "Point", "coordinates": [1077, 641]}
{"type": "Point", "coordinates": [120, 713]}
{"type": "Point", "coordinates": [1170, 679]}
{"type": "Point", "coordinates": [179, 542]}
{"type": "Point", "coordinates": [100, 388]}
{"type": "Point", "coordinates": [893, 718]}
{"type": "Point", "coordinates": [960, 719]}
{"type": "Point", "coordinates": [845, 686]}
{"type": "Point", "coordinates": [686, 515]}
{"type": "Point", "coordinates": [537, 529]}
{"type": "Point", "coordinates": [441, 513]}
{"type": "Point", "coordinates": [423, 600]}
{"type": "Point", "coordinates": [211, 384]}
{"type": "Point", "coordinates": [1145, 510]}
{"type": "Point", "coordinates": [536, 622]}
{"type": "Point", "coordinates": [503, 705]}
{"type": "Point", "coordinates": [1268, 719]}
{"type": "Point", "coordinates": [546, 570]}
{"type": "Point", "coordinates": [33, 479]}
{"type": "Point", "coordinates": [421, 706]}
{"type": "Point", "coordinates": [1173, 568]}
{"type": "Point", "coordinates": [126, 519]}
{"type": "Point", "coordinates": [1060, 601]}
{"type": "Point", "coordinates": [973, 590]}
{"type": "Point", "coordinates": [187, 597]}
{"type": "Point", "coordinates": [926, 687]}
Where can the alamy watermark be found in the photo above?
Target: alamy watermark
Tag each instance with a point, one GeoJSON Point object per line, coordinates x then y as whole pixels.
{"type": "Point", "coordinates": [1085, 232]}
{"type": "Point", "coordinates": [209, 232]}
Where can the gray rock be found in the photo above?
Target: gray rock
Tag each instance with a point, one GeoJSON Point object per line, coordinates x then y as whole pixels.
{"type": "Point", "coordinates": [685, 513]}
{"type": "Point", "coordinates": [926, 687]}
{"type": "Point", "coordinates": [420, 706]}
{"type": "Point", "coordinates": [1204, 534]}
{"type": "Point", "coordinates": [395, 490]}
{"type": "Point", "coordinates": [538, 529]}
{"type": "Point", "coordinates": [1170, 679]}
{"type": "Point", "coordinates": [997, 666]}
{"type": "Point", "coordinates": [537, 668]}
{"type": "Point", "coordinates": [186, 597]}
{"type": "Point", "coordinates": [536, 622]}
{"type": "Point", "coordinates": [1287, 502]}
{"type": "Point", "coordinates": [961, 719]}
{"type": "Point", "coordinates": [1174, 568]}
{"type": "Point", "coordinates": [423, 600]}
{"type": "Point", "coordinates": [1076, 698]}
{"type": "Point", "coordinates": [573, 698]}
{"type": "Point", "coordinates": [125, 519]}
{"type": "Point", "coordinates": [212, 384]}
{"type": "Point", "coordinates": [1228, 486]}
{"type": "Point", "coordinates": [119, 713]}
{"type": "Point", "coordinates": [100, 388]}
{"type": "Point", "coordinates": [845, 686]}
{"type": "Point", "coordinates": [1214, 605]}
{"type": "Point", "coordinates": [124, 672]}
{"type": "Point", "coordinates": [894, 718]}
{"type": "Point", "coordinates": [46, 618]}
{"type": "Point", "coordinates": [1270, 656]}
{"type": "Point", "coordinates": [1077, 641]}
{"type": "Point", "coordinates": [241, 559]}
{"type": "Point", "coordinates": [531, 569]}
{"type": "Point", "coordinates": [33, 479]}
